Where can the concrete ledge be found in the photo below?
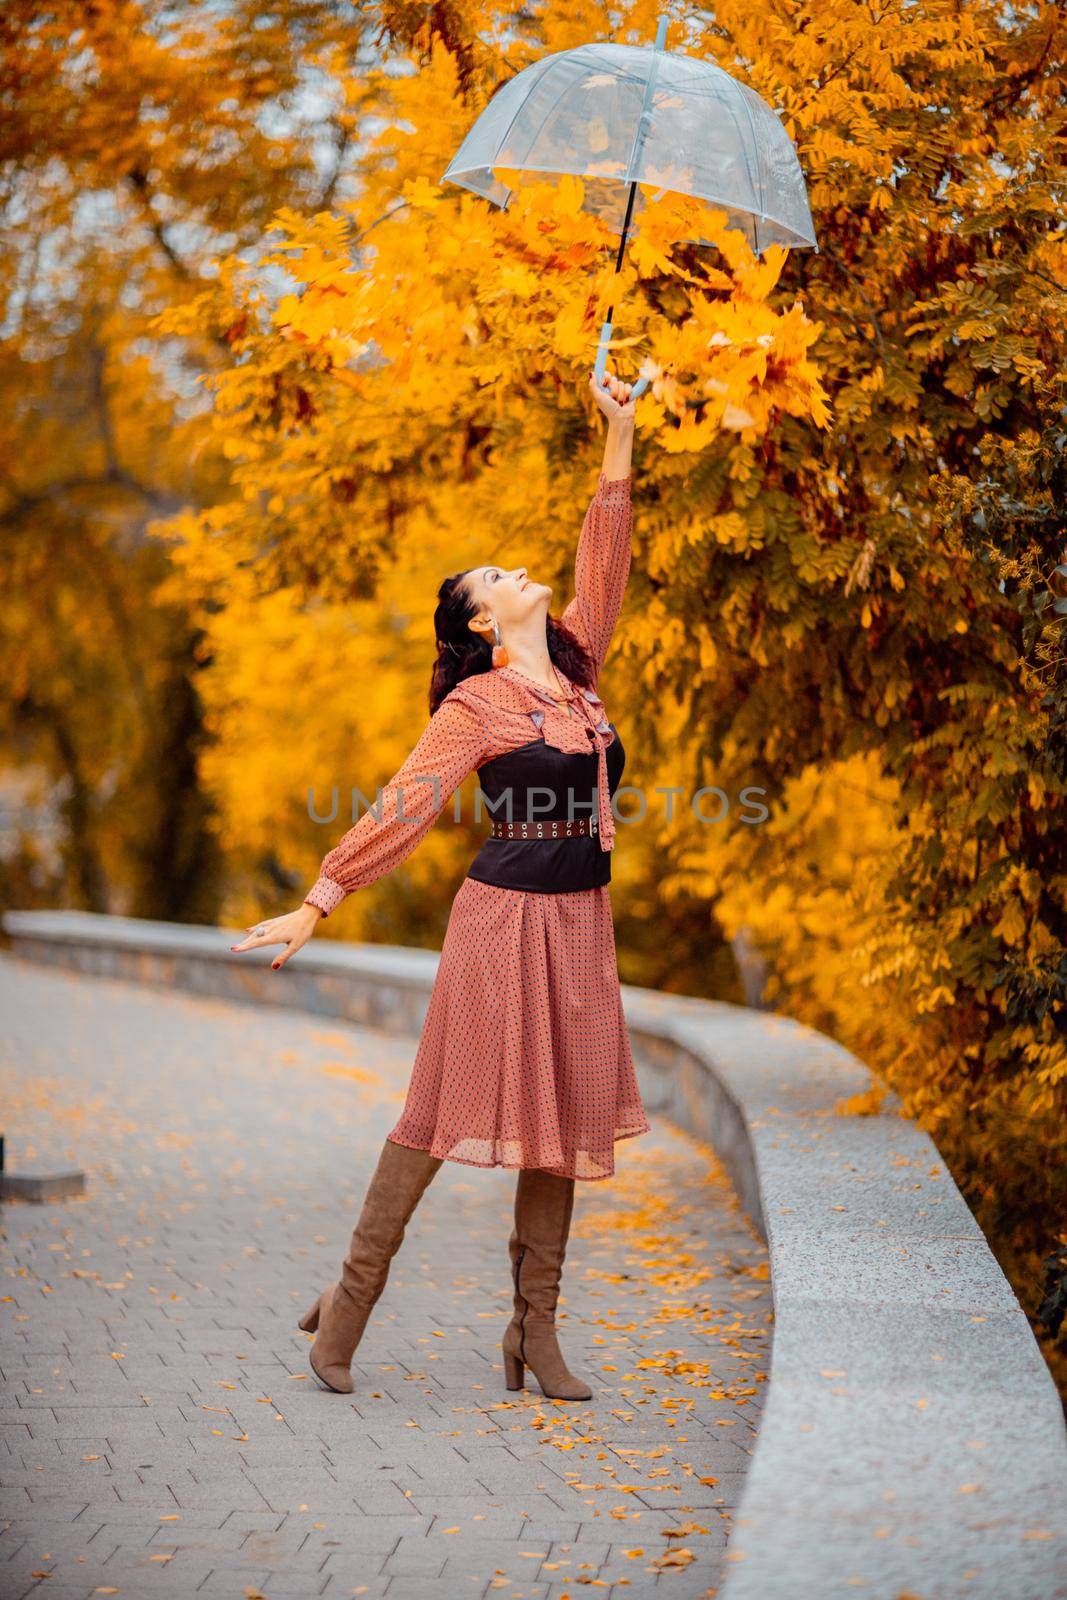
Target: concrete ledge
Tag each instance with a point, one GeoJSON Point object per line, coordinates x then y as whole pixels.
{"type": "Point", "coordinates": [43, 1187]}
{"type": "Point", "coordinates": [912, 1440]}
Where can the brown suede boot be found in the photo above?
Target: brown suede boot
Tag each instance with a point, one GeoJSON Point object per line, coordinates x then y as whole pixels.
{"type": "Point", "coordinates": [341, 1312]}
{"type": "Point", "coordinates": [538, 1244]}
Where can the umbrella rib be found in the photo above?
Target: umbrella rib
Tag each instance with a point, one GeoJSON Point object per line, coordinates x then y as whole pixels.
{"type": "Point", "coordinates": [759, 172]}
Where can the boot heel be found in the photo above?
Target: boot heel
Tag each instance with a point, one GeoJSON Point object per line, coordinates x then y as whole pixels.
{"type": "Point", "coordinates": [514, 1370]}
{"type": "Point", "coordinates": [310, 1320]}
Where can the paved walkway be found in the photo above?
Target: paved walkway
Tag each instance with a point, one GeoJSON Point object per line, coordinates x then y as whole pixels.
{"type": "Point", "coordinates": [161, 1435]}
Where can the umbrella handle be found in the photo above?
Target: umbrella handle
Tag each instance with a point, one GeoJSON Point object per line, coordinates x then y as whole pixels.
{"type": "Point", "coordinates": [601, 358]}
{"type": "Point", "coordinates": [602, 351]}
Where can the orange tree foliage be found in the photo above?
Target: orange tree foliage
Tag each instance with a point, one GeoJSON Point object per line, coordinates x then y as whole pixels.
{"type": "Point", "coordinates": [849, 482]}
{"type": "Point", "coordinates": [848, 493]}
{"type": "Point", "coordinates": [137, 139]}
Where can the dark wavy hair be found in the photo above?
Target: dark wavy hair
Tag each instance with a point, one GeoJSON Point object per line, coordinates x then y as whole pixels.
{"type": "Point", "coordinates": [461, 652]}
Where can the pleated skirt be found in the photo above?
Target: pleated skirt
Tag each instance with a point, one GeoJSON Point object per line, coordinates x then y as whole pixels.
{"type": "Point", "coordinates": [524, 1058]}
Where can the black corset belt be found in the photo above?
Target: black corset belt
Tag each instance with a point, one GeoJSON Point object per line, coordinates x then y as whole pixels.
{"type": "Point", "coordinates": [537, 786]}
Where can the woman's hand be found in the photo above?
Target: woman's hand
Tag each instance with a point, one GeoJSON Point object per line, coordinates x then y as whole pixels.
{"type": "Point", "coordinates": [613, 396]}
{"type": "Point", "coordinates": [293, 930]}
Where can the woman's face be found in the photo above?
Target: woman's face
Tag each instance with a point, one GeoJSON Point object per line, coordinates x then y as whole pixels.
{"type": "Point", "coordinates": [505, 594]}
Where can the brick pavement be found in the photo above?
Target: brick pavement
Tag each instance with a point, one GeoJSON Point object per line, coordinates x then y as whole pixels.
{"type": "Point", "coordinates": [159, 1433]}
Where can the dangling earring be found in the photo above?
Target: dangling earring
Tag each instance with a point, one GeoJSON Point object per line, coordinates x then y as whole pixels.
{"type": "Point", "coordinates": [500, 654]}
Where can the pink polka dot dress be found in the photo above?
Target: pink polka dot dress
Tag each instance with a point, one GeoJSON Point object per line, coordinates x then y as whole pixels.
{"type": "Point", "coordinates": [524, 1058]}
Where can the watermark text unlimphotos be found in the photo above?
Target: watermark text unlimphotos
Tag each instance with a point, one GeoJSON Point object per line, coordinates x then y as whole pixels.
{"type": "Point", "coordinates": [420, 801]}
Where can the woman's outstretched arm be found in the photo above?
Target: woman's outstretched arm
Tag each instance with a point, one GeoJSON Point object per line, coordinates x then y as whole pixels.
{"type": "Point", "coordinates": [452, 744]}
{"type": "Point", "coordinates": [602, 565]}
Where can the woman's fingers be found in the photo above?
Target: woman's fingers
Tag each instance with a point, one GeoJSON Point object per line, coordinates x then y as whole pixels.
{"type": "Point", "coordinates": [621, 391]}
{"type": "Point", "coordinates": [291, 931]}
{"type": "Point", "coordinates": [257, 938]}
{"type": "Point", "coordinates": [299, 939]}
{"type": "Point", "coordinates": [291, 949]}
{"type": "Point", "coordinates": [604, 391]}
{"type": "Point", "coordinates": [612, 388]}
{"type": "Point", "coordinates": [613, 396]}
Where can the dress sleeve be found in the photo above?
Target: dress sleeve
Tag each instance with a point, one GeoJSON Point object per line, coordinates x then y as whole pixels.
{"type": "Point", "coordinates": [602, 566]}
{"type": "Point", "coordinates": [452, 744]}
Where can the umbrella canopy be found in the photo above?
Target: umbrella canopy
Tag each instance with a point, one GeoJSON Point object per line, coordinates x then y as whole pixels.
{"type": "Point", "coordinates": [616, 114]}
{"type": "Point", "coordinates": [621, 116]}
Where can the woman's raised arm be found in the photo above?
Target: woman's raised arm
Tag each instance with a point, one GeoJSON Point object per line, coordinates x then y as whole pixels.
{"type": "Point", "coordinates": [602, 564]}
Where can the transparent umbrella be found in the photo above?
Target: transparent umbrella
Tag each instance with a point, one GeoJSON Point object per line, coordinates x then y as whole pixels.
{"type": "Point", "coordinates": [625, 116]}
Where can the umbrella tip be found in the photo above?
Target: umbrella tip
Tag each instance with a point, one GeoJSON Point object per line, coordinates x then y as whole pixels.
{"type": "Point", "coordinates": [661, 33]}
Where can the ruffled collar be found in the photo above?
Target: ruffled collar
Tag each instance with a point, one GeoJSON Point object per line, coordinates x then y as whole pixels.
{"type": "Point", "coordinates": [585, 728]}
{"type": "Point", "coordinates": [570, 690]}
{"type": "Point", "coordinates": [508, 689]}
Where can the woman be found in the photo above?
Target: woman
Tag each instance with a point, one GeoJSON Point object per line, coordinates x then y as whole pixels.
{"type": "Point", "coordinates": [524, 1059]}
